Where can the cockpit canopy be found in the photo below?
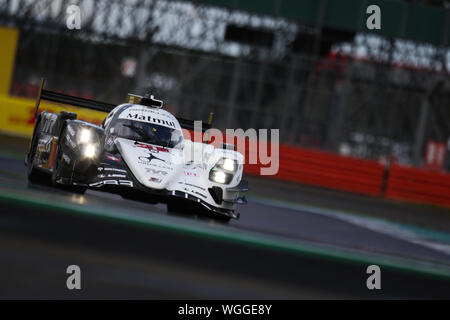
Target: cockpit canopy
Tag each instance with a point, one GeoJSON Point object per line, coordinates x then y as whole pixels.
{"type": "Point", "coordinates": [146, 132]}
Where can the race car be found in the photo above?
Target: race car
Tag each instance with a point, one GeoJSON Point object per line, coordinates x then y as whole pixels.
{"type": "Point", "coordinates": [139, 152]}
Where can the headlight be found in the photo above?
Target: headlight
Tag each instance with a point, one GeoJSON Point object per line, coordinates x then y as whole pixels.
{"type": "Point", "coordinates": [89, 151]}
{"type": "Point", "coordinates": [223, 171]}
{"type": "Point", "coordinates": [219, 176]}
{"type": "Point", "coordinates": [85, 136]}
{"type": "Point", "coordinates": [227, 164]}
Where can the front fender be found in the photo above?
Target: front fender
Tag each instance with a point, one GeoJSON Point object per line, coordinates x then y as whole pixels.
{"type": "Point", "coordinates": [72, 150]}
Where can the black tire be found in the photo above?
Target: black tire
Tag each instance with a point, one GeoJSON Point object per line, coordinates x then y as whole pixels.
{"type": "Point", "coordinates": [136, 196]}
{"type": "Point", "coordinates": [179, 207]}
{"type": "Point", "coordinates": [218, 217]}
{"type": "Point", "coordinates": [57, 168]}
{"type": "Point", "coordinates": [223, 219]}
{"type": "Point", "coordinates": [35, 175]}
{"type": "Point", "coordinates": [175, 207]}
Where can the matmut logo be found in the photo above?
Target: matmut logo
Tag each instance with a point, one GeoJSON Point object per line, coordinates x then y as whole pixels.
{"type": "Point", "coordinates": [145, 118]}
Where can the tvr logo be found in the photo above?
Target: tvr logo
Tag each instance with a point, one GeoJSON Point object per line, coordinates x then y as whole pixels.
{"type": "Point", "coordinates": [156, 172]}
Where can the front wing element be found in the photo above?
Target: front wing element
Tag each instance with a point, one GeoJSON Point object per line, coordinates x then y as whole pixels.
{"type": "Point", "coordinates": [114, 176]}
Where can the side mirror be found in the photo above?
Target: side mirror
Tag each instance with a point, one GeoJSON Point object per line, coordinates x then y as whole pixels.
{"type": "Point", "coordinates": [227, 146]}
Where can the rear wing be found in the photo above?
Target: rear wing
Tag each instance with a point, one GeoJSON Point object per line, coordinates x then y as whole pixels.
{"type": "Point", "coordinates": [57, 97]}
{"type": "Point", "coordinates": [69, 100]}
{"type": "Point", "coordinates": [189, 124]}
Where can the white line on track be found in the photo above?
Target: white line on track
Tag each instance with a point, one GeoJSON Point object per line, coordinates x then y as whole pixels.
{"type": "Point", "coordinates": [373, 224]}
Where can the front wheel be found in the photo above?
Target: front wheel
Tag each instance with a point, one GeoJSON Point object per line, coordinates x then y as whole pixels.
{"type": "Point", "coordinates": [59, 168]}
{"type": "Point", "coordinates": [176, 207]}
{"type": "Point", "coordinates": [221, 218]}
{"type": "Point", "coordinates": [180, 207]}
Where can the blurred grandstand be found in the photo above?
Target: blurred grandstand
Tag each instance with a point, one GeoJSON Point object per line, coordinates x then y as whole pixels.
{"type": "Point", "coordinates": [310, 68]}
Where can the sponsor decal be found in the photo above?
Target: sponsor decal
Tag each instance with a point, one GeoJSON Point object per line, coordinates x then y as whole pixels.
{"type": "Point", "coordinates": [45, 143]}
{"type": "Point", "coordinates": [151, 148]}
{"type": "Point", "coordinates": [156, 180]}
{"type": "Point", "coordinates": [156, 172]}
{"type": "Point", "coordinates": [116, 176]}
{"type": "Point", "coordinates": [111, 169]}
{"type": "Point", "coordinates": [110, 140]}
{"type": "Point", "coordinates": [150, 158]}
{"type": "Point", "coordinates": [112, 158]}
{"type": "Point", "coordinates": [154, 165]}
{"type": "Point", "coordinates": [191, 173]}
{"type": "Point", "coordinates": [201, 195]}
{"type": "Point", "coordinates": [196, 166]}
{"type": "Point", "coordinates": [194, 186]}
{"type": "Point", "coordinates": [141, 110]}
{"type": "Point", "coordinates": [112, 182]}
{"type": "Point", "coordinates": [112, 176]}
{"type": "Point", "coordinates": [146, 118]}
{"type": "Point", "coordinates": [190, 191]}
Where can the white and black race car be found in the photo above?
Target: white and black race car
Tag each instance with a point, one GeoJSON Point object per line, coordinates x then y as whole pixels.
{"type": "Point", "coordinates": [138, 152]}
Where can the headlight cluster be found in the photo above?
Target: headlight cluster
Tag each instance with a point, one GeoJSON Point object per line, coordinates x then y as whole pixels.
{"type": "Point", "coordinates": [223, 171]}
{"type": "Point", "coordinates": [90, 151]}
{"type": "Point", "coordinates": [89, 147]}
{"type": "Point", "coordinates": [84, 136]}
{"type": "Point", "coordinates": [229, 164]}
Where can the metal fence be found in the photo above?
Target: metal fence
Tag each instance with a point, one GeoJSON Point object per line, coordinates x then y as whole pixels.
{"type": "Point", "coordinates": [365, 95]}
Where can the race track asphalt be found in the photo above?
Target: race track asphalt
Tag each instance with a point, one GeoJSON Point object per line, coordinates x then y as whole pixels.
{"type": "Point", "coordinates": [284, 219]}
{"type": "Point", "coordinates": [258, 216]}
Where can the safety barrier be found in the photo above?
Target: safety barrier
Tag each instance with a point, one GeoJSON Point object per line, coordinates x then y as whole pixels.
{"type": "Point", "coordinates": [418, 185]}
{"type": "Point", "coordinates": [329, 170]}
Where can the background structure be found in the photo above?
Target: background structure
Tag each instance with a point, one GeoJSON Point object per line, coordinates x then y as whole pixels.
{"type": "Point", "coordinates": [310, 68]}
{"type": "Point", "coordinates": [364, 120]}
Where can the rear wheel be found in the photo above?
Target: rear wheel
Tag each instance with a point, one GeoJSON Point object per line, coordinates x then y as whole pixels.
{"type": "Point", "coordinates": [33, 173]}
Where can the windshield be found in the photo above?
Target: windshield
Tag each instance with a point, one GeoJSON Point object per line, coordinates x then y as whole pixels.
{"type": "Point", "coordinates": [147, 132]}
